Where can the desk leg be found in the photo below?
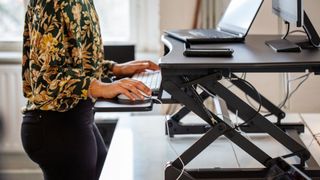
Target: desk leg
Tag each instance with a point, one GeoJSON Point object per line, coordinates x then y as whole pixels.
{"type": "Point", "coordinates": [184, 111]}
{"type": "Point", "coordinates": [176, 127]}
{"type": "Point", "coordinates": [174, 169]}
{"type": "Point", "coordinates": [192, 102]}
{"type": "Point", "coordinates": [246, 112]}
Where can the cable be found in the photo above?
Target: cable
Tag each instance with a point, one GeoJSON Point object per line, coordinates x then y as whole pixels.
{"type": "Point", "coordinates": [213, 120]}
{"type": "Point", "coordinates": [288, 29]}
{"type": "Point", "coordinates": [284, 101]}
{"type": "Point", "coordinates": [257, 93]}
{"type": "Point", "coordinates": [308, 36]}
{"type": "Point", "coordinates": [260, 103]}
{"type": "Point", "coordinates": [314, 136]}
{"type": "Point", "coordinates": [252, 105]}
{"type": "Point", "coordinates": [253, 88]}
{"type": "Point", "coordinates": [297, 31]}
{"type": "Point", "coordinates": [294, 31]}
{"type": "Point", "coordinates": [301, 31]}
{"type": "Point", "coordinates": [176, 153]}
{"type": "Point", "coordinates": [235, 154]}
{"type": "Point", "coordinates": [234, 151]}
{"type": "Point", "coordinates": [288, 93]}
{"type": "Point", "coordinates": [170, 144]}
{"type": "Point", "coordinates": [299, 85]}
{"type": "Point", "coordinates": [243, 76]}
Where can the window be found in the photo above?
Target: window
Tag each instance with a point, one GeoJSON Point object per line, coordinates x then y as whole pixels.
{"type": "Point", "coordinates": [114, 18]}
{"type": "Point", "coordinates": [11, 19]}
{"type": "Point", "coordinates": [125, 21]}
{"type": "Point", "coordinates": [130, 21]}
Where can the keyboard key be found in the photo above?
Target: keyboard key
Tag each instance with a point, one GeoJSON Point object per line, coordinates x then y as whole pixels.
{"type": "Point", "coordinates": [152, 79]}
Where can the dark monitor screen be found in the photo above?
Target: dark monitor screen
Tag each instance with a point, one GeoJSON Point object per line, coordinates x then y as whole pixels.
{"type": "Point", "coordinates": [289, 10]}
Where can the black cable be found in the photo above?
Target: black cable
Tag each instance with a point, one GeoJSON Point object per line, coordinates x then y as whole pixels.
{"type": "Point", "coordinates": [260, 103]}
{"type": "Point", "coordinates": [259, 97]}
{"type": "Point", "coordinates": [288, 29]}
{"type": "Point", "coordinates": [294, 31]}
{"type": "Point", "coordinates": [301, 31]}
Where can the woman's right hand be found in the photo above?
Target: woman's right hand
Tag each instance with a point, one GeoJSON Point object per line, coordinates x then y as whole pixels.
{"type": "Point", "coordinates": [129, 87]}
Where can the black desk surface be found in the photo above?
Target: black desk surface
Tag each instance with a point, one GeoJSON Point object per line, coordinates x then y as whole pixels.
{"type": "Point", "coordinates": [252, 56]}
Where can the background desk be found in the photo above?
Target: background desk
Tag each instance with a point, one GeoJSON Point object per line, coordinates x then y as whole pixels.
{"type": "Point", "coordinates": [139, 149]}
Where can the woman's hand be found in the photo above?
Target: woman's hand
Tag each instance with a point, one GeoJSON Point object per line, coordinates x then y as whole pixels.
{"type": "Point", "coordinates": [132, 67]}
{"type": "Point", "coordinates": [129, 87]}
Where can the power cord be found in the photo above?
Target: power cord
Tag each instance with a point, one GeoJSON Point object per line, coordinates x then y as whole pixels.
{"type": "Point", "coordinates": [169, 139]}
{"type": "Point", "coordinates": [243, 76]}
{"type": "Point", "coordinates": [297, 31]}
{"type": "Point", "coordinates": [173, 149]}
{"type": "Point", "coordinates": [288, 29]}
{"type": "Point", "coordinates": [210, 115]}
{"type": "Point", "coordinates": [301, 31]}
{"type": "Point", "coordinates": [259, 98]}
{"type": "Point", "coordinates": [290, 94]}
{"type": "Point", "coordinates": [314, 136]}
{"type": "Point", "coordinates": [252, 87]}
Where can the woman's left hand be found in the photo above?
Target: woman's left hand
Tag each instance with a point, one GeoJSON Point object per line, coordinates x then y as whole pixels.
{"type": "Point", "coordinates": [132, 67]}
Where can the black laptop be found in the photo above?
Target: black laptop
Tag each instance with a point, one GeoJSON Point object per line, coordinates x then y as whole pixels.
{"type": "Point", "coordinates": [233, 26]}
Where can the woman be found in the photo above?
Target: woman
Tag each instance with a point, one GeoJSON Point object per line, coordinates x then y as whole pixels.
{"type": "Point", "coordinates": [61, 70]}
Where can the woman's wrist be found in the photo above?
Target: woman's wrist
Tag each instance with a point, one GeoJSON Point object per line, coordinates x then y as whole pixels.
{"type": "Point", "coordinates": [116, 69]}
{"type": "Point", "coordinates": [95, 89]}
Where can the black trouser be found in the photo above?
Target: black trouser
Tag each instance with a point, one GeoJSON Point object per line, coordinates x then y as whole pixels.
{"type": "Point", "coordinates": [67, 146]}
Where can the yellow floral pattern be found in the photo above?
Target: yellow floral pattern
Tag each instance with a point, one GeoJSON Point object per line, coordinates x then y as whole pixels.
{"type": "Point", "coordinates": [62, 53]}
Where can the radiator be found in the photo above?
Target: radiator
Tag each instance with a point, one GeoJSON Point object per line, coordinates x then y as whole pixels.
{"type": "Point", "coordinates": [11, 101]}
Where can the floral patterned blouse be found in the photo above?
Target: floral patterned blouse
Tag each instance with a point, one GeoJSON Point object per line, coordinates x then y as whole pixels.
{"type": "Point", "coordinates": [62, 53]}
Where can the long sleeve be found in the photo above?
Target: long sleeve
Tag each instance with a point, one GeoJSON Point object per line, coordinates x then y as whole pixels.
{"type": "Point", "coordinates": [62, 54]}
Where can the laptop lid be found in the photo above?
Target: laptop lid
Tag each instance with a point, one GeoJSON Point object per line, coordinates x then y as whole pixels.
{"type": "Point", "coordinates": [239, 16]}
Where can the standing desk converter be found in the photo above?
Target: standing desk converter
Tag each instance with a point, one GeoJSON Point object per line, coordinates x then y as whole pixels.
{"type": "Point", "coordinates": [180, 77]}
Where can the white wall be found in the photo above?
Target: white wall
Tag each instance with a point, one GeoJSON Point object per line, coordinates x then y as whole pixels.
{"type": "Point", "coordinates": [176, 14]}
{"type": "Point", "coordinates": [307, 98]}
